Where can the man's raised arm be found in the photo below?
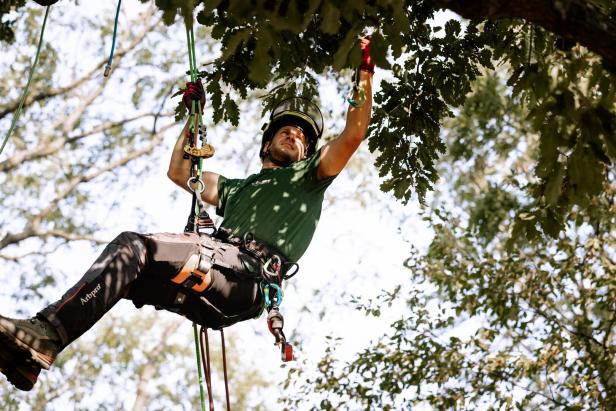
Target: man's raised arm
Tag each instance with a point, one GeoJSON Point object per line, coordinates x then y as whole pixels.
{"type": "Point", "coordinates": [336, 153]}
{"type": "Point", "coordinates": [179, 167]}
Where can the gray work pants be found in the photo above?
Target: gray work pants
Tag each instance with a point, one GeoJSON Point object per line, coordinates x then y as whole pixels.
{"type": "Point", "coordinates": [143, 268]}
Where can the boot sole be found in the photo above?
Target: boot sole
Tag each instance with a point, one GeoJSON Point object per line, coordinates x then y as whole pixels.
{"type": "Point", "coordinates": [15, 366]}
{"type": "Point", "coordinates": [13, 346]}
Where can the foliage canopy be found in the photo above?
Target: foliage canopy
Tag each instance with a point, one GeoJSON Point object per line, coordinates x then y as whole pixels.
{"type": "Point", "coordinates": [431, 65]}
{"type": "Point", "coordinates": [486, 325]}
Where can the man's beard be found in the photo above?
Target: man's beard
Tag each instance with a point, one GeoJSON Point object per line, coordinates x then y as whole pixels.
{"type": "Point", "coordinates": [281, 157]}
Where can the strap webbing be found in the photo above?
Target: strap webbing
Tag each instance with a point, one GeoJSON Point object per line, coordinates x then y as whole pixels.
{"type": "Point", "coordinates": [25, 93]}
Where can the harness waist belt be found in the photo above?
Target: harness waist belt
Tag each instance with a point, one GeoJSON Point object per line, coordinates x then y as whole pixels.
{"type": "Point", "coordinates": [248, 243]}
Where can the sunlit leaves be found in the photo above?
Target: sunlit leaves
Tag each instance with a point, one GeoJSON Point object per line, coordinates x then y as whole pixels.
{"type": "Point", "coordinates": [528, 330]}
{"type": "Point", "coordinates": [429, 68]}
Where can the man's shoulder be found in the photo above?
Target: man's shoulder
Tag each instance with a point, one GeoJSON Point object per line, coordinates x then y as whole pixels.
{"type": "Point", "coordinates": [309, 162]}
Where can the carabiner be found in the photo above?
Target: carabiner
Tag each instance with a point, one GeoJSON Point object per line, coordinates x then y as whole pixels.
{"type": "Point", "coordinates": [199, 184]}
{"type": "Point", "coordinates": [276, 264]}
{"type": "Point", "coordinates": [360, 101]}
{"type": "Point", "coordinates": [247, 239]}
{"type": "Point", "coordinates": [266, 295]}
{"type": "Point", "coordinates": [293, 268]}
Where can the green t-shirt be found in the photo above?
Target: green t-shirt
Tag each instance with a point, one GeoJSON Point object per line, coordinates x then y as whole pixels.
{"type": "Point", "coordinates": [280, 207]}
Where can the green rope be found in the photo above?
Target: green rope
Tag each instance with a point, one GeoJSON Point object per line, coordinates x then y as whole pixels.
{"type": "Point", "coordinates": [25, 93]}
{"type": "Point", "coordinates": [193, 54]}
{"type": "Point", "coordinates": [190, 39]}
{"type": "Point", "coordinates": [196, 105]}
{"type": "Point", "coordinates": [113, 40]}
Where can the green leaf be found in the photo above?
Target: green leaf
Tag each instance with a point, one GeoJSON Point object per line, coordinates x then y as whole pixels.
{"type": "Point", "coordinates": [236, 40]}
{"type": "Point", "coordinates": [209, 7]}
{"type": "Point", "coordinates": [551, 224]}
{"type": "Point", "coordinates": [585, 175]}
{"type": "Point", "coordinates": [232, 111]}
{"type": "Point", "coordinates": [259, 66]}
{"type": "Point", "coordinates": [610, 143]}
{"type": "Point", "coordinates": [378, 50]}
{"type": "Point", "coordinates": [180, 111]}
{"type": "Point", "coordinates": [218, 31]}
{"type": "Point", "coordinates": [527, 216]}
{"type": "Point", "coordinates": [553, 185]}
{"type": "Point", "coordinates": [169, 17]}
{"type": "Point", "coordinates": [452, 28]}
{"type": "Point", "coordinates": [548, 147]}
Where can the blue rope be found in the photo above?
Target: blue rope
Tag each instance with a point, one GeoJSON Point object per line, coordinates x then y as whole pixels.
{"type": "Point", "coordinates": [113, 41]}
{"type": "Point", "coordinates": [25, 93]}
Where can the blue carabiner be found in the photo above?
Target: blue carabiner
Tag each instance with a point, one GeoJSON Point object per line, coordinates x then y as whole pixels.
{"type": "Point", "coordinates": [266, 288]}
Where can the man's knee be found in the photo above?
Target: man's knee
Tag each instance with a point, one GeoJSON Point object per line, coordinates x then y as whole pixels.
{"type": "Point", "coordinates": [127, 237]}
{"type": "Point", "coordinates": [135, 242]}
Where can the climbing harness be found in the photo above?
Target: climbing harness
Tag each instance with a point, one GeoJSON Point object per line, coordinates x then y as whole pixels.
{"type": "Point", "coordinates": [113, 41]}
{"type": "Point", "coordinates": [32, 68]}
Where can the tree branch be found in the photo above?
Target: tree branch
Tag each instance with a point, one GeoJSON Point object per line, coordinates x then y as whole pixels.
{"type": "Point", "coordinates": [46, 94]}
{"type": "Point", "coordinates": [48, 149]}
{"type": "Point", "coordinates": [65, 235]}
{"type": "Point", "coordinates": [142, 397]}
{"type": "Point", "coordinates": [577, 20]}
{"type": "Point", "coordinates": [578, 334]}
{"type": "Point", "coordinates": [34, 229]}
{"type": "Point", "coordinates": [16, 258]}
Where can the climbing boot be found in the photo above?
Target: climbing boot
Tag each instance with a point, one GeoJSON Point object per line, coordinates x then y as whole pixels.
{"type": "Point", "coordinates": [22, 376]}
{"type": "Point", "coordinates": [31, 341]}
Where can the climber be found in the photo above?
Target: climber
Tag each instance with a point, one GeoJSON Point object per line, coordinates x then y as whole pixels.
{"type": "Point", "coordinates": [213, 280]}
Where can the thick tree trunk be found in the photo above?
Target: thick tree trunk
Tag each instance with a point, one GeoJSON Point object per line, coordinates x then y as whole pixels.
{"type": "Point", "coordinates": [576, 20]}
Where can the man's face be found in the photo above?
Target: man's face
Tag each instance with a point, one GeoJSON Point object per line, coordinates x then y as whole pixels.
{"type": "Point", "coordinates": [288, 144]}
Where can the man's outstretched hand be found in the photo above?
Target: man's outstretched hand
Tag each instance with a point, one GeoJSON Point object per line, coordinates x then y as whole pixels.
{"type": "Point", "coordinates": [194, 92]}
{"type": "Point", "coordinates": [366, 59]}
